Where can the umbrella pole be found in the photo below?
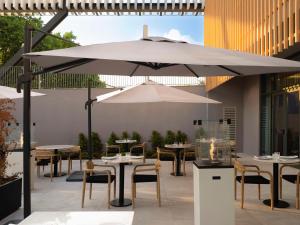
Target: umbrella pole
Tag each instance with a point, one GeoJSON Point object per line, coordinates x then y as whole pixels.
{"type": "Point", "coordinates": [26, 79]}
{"type": "Point", "coordinates": [89, 121]}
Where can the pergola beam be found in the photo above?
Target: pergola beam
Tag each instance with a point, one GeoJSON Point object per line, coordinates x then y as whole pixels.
{"type": "Point", "coordinates": [107, 7]}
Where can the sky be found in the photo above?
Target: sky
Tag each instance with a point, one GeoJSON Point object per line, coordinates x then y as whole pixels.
{"type": "Point", "coordinates": [100, 29]}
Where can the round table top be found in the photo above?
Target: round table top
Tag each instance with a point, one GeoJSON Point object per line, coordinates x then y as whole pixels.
{"type": "Point", "coordinates": [54, 147]}
{"type": "Point", "coordinates": [121, 159]}
{"type": "Point", "coordinates": [281, 161]}
{"type": "Point", "coordinates": [178, 146]}
{"type": "Point", "coordinates": [125, 141]}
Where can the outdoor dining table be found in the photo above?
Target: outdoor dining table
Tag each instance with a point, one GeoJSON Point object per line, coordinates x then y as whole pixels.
{"type": "Point", "coordinates": [122, 161]}
{"type": "Point", "coordinates": [126, 142]}
{"type": "Point", "coordinates": [56, 149]}
{"type": "Point", "coordinates": [277, 202]}
{"type": "Point", "coordinates": [178, 148]}
{"type": "Point", "coordinates": [79, 218]}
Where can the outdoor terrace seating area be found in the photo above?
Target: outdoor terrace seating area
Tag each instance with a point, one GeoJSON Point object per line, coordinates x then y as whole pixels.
{"type": "Point", "coordinates": [177, 205]}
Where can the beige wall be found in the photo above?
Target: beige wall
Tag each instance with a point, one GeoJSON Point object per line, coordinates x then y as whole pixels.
{"type": "Point", "coordinates": [251, 102]}
{"type": "Point", "coordinates": [60, 116]}
{"type": "Point", "coordinates": [243, 93]}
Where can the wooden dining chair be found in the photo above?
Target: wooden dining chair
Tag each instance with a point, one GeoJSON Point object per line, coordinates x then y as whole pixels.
{"type": "Point", "coordinates": [134, 150]}
{"type": "Point", "coordinates": [43, 157]}
{"type": "Point", "coordinates": [98, 174]}
{"type": "Point", "coordinates": [252, 179]}
{"type": "Point", "coordinates": [112, 149]}
{"type": "Point", "coordinates": [138, 177]}
{"type": "Point", "coordinates": [71, 152]}
{"type": "Point", "coordinates": [187, 153]}
{"type": "Point", "coordinates": [292, 178]}
{"type": "Point", "coordinates": [167, 155]}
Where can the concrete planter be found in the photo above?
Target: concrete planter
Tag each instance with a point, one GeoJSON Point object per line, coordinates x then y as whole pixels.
{"type": "Point", "coordinates": [10, 195]}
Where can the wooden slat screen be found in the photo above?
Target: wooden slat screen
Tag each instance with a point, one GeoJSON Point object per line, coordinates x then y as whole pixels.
{"type": "Point", "coordinates": [264, 27]}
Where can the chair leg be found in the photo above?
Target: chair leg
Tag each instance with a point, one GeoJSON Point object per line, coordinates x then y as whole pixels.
{"type": "Point", "coordinates": [235, 183]}
{"type": "Point", "coordinates": [132, 194]}
{"type": "Point", "coordinates": [297, 194]}
{"type": "Point", "coordinates": [69, 165]}
{"type": "Point", "coordinates": [38, 171]}
{"type": "Point", "coordinates": [242, 194]}
{"type": "Point", "coordinates": [183, 163]}
{"type": "Point", "coordinates": [280, 187]}
{"type": "Point", "coordinates": [259, 191]}
{"type": "Point", "coordinates": [60, 165]}
{"type": "Point", "coordinates": [80, 161]}
{"type": "Point", "coordinates": [158, 191]}
{"type": "Point", "coordinates": [271, 194]}
{"type": "Point", "coordinates": [83, 191]}
{"type": "Point", "coordinates": [115, 184]}
{"type": "Point", "coordinates": [51, 168]}
{"type": "Point", "coordinates": [108, 197]}
{"type": "Point", "coordinates": [91, 185]}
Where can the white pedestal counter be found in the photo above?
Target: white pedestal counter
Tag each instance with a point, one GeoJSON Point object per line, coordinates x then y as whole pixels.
{"type": "Point", "coordinates": [213, 194]}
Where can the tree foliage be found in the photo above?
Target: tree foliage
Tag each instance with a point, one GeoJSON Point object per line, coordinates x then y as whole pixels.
{"type": "Point", "coordinates": [12, 38]}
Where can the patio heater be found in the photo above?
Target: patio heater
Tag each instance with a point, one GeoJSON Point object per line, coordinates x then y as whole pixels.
{"type": "Point", "coordinates": [213, 175]}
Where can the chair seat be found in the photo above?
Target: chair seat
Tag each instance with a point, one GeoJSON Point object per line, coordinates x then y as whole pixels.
{"type": "Point", "coordinates": [43, 162]}
{"type": "Point", "coordinates": [253, 179]}
{"type": "Point", "coordinates": [141, 178]}
{"type": "Point", "coordinates": [99, 178]}
{"type": "Point", "coordinates": [290, 178]}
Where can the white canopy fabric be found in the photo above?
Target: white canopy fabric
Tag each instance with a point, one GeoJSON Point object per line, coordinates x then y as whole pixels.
{"type": "Point", "coordinates": [151, 91]}
{"type": "Point", "coordinates": [11, 93]}
{"type": "Point", "coordinates": [158, 57]}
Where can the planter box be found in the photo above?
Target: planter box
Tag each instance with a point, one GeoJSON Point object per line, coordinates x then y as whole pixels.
{"type": "Point", "coordinates": [10, 195]}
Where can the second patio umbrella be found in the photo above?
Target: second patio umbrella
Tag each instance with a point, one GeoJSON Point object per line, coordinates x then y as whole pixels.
{"type": "Point", "coordinates": [151, 91]}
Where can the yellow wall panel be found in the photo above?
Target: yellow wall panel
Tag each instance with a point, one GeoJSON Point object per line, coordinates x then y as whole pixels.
{"type": "Point", "coordinates": [264, 27]}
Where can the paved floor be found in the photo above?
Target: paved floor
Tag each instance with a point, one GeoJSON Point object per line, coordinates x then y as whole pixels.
{"type": "Point", "coordinates": [177, 200]}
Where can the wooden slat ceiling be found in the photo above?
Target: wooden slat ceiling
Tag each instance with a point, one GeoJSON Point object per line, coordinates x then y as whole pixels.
{"type": "Point", "coordinates": [103, 7]}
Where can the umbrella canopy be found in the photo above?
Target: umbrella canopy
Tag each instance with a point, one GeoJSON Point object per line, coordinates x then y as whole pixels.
{"type": "Point", "coordinates": [151, 91]}
{"type": "Point", "coordinates": [11, 93]}
{"type": "Point", "coordinates": [158, 56]}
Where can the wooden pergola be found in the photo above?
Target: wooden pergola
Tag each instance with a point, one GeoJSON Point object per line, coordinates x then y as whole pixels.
{"type": "Point", "coordinates": [103, 7]}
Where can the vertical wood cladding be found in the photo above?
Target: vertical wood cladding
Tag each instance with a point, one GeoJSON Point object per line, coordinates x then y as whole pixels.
{"type": "Point", "coordinates": [264, 27]}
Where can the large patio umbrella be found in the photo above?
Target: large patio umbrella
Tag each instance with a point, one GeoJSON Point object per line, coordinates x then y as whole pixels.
{"type": "Point", "coordinates": [151, 91]}
{"type": "Point", "coordinates": [11, 93]}
{"type": "Point", "coordinates": [158, 56]}
{"type": "Point", "coordinates": [152, 56]}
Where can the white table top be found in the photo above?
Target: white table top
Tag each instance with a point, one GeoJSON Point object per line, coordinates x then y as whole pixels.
{"type": "Point", "coordinates": [176, 146]}
{"type": "Point", "coordinates": [54, 147]}
{"type": "Point", "coordinates": [122, 159]}
{"type": "Point", "coordinates": [80, 218]}
{"type": "Point", "coordinates": [125, 141]}
{"type": "Point", "coordinates": [281, 161]}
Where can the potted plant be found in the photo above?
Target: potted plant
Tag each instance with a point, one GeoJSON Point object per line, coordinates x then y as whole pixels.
{"type": "Point", "coordinates": [10, 185]}
{"type": "Point", "coordinates": [170, 137]}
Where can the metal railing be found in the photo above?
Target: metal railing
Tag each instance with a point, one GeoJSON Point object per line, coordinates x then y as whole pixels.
{"type": "Point", "coordinates": [54, 81]}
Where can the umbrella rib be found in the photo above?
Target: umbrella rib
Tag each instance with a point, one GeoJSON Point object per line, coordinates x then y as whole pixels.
{"type": "Point", "coordinates": [155, 66]}
{"type": "Point", "coordinates": [191, 70]}
{"type": "Point", "coordinates": [133, 71]}
{"type": "Point", "coordinates": [64, 66]}
{"type": "Point", "coordinates": [230, 70]}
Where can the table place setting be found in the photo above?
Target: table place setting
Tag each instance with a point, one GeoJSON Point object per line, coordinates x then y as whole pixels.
{"type": "Point", "coordinates": [277, 158]}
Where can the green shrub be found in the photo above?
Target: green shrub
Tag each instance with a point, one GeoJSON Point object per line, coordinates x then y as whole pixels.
{"type": "Point", "coordinates": [96, 142]}
{"type": "Point", "coordinates": [156, 140]}
{"type": "Point", "coordinates": [181, 137]}
{"type": "Point", "coordinates": [112, 139]}
{"type": "Point", "coordinates": [125, 135]}
{"type": "Point", "coordinates": [82, 142]}
{"type": "Point", "coordinates": [170, 137]}
{"type": "Point", "coordinates": [136, 136]}
{"type": "Point", "coordinates": [200, 133]}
